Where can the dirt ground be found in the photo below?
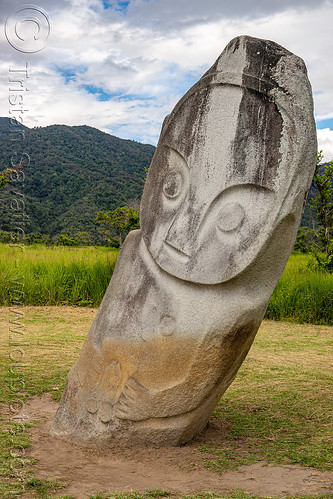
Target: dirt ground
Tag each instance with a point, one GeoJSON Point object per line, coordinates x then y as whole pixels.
{"type": "Point", "coordinates": [179, 470]}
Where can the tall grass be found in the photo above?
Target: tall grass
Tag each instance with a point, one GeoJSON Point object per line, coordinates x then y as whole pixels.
{"type": "Point", "coordinates": [304, 294]}
{"type": "Point", "coordinates": [80, 276]}
{"type": "Point", "coordinates": [39, 275]}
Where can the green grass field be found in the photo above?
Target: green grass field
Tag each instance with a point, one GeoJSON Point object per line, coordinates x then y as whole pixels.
{"type": "Point", "coordinates": [40, 275]}
{"type": "Point", "coordinates": [55, 275]}
{"type": "Point", "coordinates": [303, 294]}
{"type": "Point", "coordinates": [277, 410]}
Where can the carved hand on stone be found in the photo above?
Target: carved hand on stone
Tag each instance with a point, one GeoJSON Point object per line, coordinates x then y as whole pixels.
{"type": "Point", "coordinates": [134, 402]}
{"type": "Point", "coordinates": [101, 399]}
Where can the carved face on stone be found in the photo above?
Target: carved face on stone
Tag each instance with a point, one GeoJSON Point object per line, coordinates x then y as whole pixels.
{"type": "Point", "coordinates": [219, 178]}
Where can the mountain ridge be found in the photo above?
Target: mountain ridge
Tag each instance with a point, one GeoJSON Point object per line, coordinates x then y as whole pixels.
{"type": "Point", "coordinates": [74, 172]}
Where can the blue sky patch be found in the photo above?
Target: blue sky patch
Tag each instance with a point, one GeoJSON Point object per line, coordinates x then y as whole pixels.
{"type": "Point", "coordinates": [99, 92]}
{"type": "Point", "coordinates": [130, 97]}
{"type": "Point", "coordinates": [69, 74]}
{"type": "Point", "coordinates": [122, 6]}
{"type": "Point", "coordinates": [118, 6]}
{"type": "Point", "coordinates": [325, 124]}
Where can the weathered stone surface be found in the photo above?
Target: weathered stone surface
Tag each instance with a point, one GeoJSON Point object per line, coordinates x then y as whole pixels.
{"type": "Point", "coordinates": [219, 215]}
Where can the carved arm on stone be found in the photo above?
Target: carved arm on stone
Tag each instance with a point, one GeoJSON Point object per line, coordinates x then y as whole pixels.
{"type": "Point", "coordinates": [216, 361]}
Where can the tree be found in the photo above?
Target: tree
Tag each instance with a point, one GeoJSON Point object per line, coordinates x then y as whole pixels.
{"type": "Point", "coordinates": [83, 238]}
{"type": "Point", "coordinates": [303, 240]}
{"type": "Point", "coordinates": [120, 221]}
{"type": "Point", "coordinates": [66, 240]}
{"type": "Point", "coordinates": [5, 176]}
{"type": "Point", "coordinates": [322, 205]}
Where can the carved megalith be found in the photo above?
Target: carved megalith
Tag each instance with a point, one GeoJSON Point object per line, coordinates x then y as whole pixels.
{"type": "Point", "coordinates": [219, 215]}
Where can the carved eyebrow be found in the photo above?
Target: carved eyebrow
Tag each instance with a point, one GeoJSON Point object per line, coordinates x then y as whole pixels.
{"type": "Point", "coordinates": [232, 185]}
{"type": "Point", "coordinates": [167, 146]}
{"type": "Point", "coordinates": [177, 163]}
{"type": "Point", "coordinates": [217, 200]}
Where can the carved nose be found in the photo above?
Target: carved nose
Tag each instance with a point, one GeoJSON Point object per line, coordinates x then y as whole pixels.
{"type": "Point", "coordinates": [181, 235]}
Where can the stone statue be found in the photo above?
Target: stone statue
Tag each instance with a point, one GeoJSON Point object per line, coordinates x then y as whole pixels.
{"type": "Point", "coordinates": [219, 215]}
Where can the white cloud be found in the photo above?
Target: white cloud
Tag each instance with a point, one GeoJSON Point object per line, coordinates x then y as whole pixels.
{"type": "Point", "coordinates": [170, 15]}
{"type": "Point", "coordinates": [153, 54]}
{"type": "Point", "coordinates": [325, 143]}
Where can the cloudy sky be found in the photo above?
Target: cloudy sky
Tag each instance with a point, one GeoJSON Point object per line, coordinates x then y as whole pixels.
{"type": "Point", "coordinates": [121, 66]}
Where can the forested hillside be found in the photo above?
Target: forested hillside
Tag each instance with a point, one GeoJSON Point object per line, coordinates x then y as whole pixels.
{"type": "Point", "coordinates": [74, 172]}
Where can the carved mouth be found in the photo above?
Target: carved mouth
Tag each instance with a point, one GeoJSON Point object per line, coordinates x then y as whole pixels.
{"type": "Point", "coordinates": [175, 252]}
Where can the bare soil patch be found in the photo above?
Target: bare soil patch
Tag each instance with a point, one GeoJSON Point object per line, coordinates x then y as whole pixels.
{"type": "Point", "coordinates": [179, 470]}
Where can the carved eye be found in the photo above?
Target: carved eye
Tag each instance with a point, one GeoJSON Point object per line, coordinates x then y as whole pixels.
{"type": "Point", "coordinates": [231, 217]}
{"type": "Point", "coordinates": [173, 184]}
